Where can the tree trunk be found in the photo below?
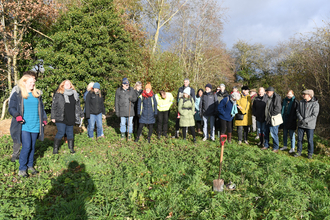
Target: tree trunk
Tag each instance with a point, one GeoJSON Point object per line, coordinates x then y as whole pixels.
{"type": "Point", "coordinates": [15, 52]}
{"type": "Point", "coordinates": [9, 72]}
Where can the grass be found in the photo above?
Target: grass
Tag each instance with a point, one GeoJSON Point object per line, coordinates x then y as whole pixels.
{"type": "Point", "coordinates": [168, 178]}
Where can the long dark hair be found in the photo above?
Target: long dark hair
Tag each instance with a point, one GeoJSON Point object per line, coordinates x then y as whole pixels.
{"type": "Point", "coordinates": [197, 94]}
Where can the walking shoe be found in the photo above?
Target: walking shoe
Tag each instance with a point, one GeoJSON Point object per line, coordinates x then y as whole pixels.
{"type": "Point", "coordinates": [298, 154]}
{"type": "Point", "coordinates": [310, 156]}
{"type": "Point", "coordinates": [257, 137]}
{"type": "Point", "coordinates": [291, 150]}
{"type": "Point", "coordinates": [246, 142]}
{"type": "Point", "coordinates": [149, 140]}
{"type": "Point", "coordinates": [122, 136]}
{"type": "Point", "coordinates": [275, 151]}
{"type": "Point", "coordinates": [284, 148]}
{"type": "Point", "coordinates": [136, 139]}
{"type": "Point", "coordinates": [32, 171]}
{"type": "Point", "coordinates": [14, 158]}
{"type": "Point", "coordinates": [264, 148]}
{"type": "Point", "coordinates": [212, 139]}
{"type": "Point", "coordinates": [239, 142]}
{"type": "Point", "coordinates": [204, 139]}
{"type": "Point", "coordinates": [177, 134]}
{"type": "Point", "coordinates": [23, 173]}
{"type": "Point", "coordinates": [194, 140]}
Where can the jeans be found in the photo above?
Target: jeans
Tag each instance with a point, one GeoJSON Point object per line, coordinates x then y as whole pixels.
{"type": "Point", "coordinates": [261, 127]}
{"type": "Point", "coordinates": [64, 129]}
{"type": "Point", "coordinates": [162, 122]}
{"type": "Point", "coordinates": [123, 122]}
{"type": "Point", "coordinates": [292, 137]}
{"type": "Point", "coordinates": [27, 153]}
{"type": "Point", "coordinates": [91, 124]}
{"type": "Point", "coordinates": [273, 130]}
{"type": "Point", "coordinates": [310, 134]}
{"type": "Point", "coordinates": [207, 119]}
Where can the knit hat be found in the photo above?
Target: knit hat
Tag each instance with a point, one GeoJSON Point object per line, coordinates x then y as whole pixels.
{"type": "Point", "coordinates": [148, 86]}
{"type": "Point", "coordinates": [187, 90]}
{"type": "Point", "coordinates": [309, 92]}
{"type": "Point", "coordinates": [208, 85]}
{"type": "Point", "coordinates": [270, 88]}
{"type": "Point", "coordinates": [125, 81]}
{"type": "Point", "coordinates": [97, 85]}
{"type": "Point", "coordinates": [245, 88]}
{"type": "Point", "coordinates": [222, 85]}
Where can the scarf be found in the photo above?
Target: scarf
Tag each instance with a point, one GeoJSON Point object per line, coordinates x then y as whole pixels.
{"type": "Point", "coordinates": [147, 95]}
{"type": "Point", "coordinates": [68, 92]}
{"type": "Point", "coordinates": [234, 110]}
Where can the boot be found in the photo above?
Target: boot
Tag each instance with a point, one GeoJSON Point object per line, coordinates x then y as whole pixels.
{"type": "Point", "coordinates": [149, 140]}
{"type": "Point", "coordinates": [57, 143]}
{"type": "Point", "coordinates": [122, 136]}
{"type": "Point", "coordinates": [229, 138]}
{"type": "Point", "coordinates": [194, 140]}
{"type": "Point", "coordinates": [218, 134]}
{"type": "Point", "coordinates": [129, 137]}
{"type": "Point", "coordinates": [199, 131]}
{"type": "Point", "coordinates": [71, 145]}
{"type": "Point", "coordinates": [177, 134]}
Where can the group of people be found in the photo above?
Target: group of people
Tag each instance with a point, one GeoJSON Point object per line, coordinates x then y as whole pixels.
{"type": "Point", "coordinates": [137, 107]}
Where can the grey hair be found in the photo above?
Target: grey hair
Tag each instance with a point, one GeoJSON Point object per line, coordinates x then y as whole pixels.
{"type": "Point", "coordinates": [236, 96]}
{"type": "Point", "coordinates": [186, 79]}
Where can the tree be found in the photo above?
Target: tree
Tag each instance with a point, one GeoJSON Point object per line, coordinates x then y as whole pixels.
{"type": "Point", "coordinates": [16, 20]}
{"type": "Point", "coordinates": [90, 44]}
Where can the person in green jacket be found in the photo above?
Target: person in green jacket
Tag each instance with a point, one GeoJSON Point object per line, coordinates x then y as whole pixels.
{"type": "Point", "coordinates": [164, 103]}
{"type": "Point", "coordinates": [187, 110]}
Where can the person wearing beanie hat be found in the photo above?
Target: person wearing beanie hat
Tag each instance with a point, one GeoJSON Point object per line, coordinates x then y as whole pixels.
{"type": "Point", "coordinates": [308, 110]}
{"type": "Point", "coordinates": [186, 84]}
{"type": "Point", "coordinates": [147, 111]}
{"type": "Point", "coordinates": [124, 107]}
{"type": "Point", "coordinates": [95, 111]}
{"type": "Point", "coordinates": [186, 109]}
{"type": "Point", "coordinates": [244, 108]}
{"type": "Point", "coordinates": [208, 106]}
{"type": "Point", "coordinates": [221, 94]}
{"type": "Point", "coordinates": [273, 109]}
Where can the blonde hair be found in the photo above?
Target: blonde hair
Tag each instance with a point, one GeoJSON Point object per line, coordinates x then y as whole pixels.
{"type": "Point", "coordinates": [99, 92]}
{"type": "Point", "coordinates": [90, 86]}
{"type": "Point", "coordinates": [138, 83]}
{"type": "Point", "coordinates": [21, 84]}
{"type": "Point", "coordinates": [61, 86]}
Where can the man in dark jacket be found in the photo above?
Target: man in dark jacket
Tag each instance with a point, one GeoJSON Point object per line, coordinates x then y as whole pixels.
{"type": "Point", "coordinates": [273, 108]}
{"type": "Point", "coordinates": [258, 110]}
{"type": "Point", "coordinates": [221, 94]}
{"type": "Point", "coordinates": [124, 107]}
{"type": "Point", "coordinates": [208, 109]}
{"type": "Point", "coordinates": [186, 83]}
{"type": "Point", "coordinates": [307, 112]}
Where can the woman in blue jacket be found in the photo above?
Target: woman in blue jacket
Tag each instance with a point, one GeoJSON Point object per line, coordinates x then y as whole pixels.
{"type": "Point", "coordinates": [147, 111]}
{"type": "Point", "coordinates": [29, 119]}
{"type": "Point", "coordinates": [227, 110]}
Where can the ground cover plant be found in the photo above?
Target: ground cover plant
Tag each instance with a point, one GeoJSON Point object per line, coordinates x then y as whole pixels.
{"type": "Point", "coordinates": [168, 178]}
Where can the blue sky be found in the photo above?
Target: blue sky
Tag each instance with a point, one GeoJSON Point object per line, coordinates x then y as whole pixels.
{"type": "Point", "coordinates": [272, 21]}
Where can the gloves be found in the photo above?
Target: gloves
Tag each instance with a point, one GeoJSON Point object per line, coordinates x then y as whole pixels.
{"type": "Point", "coordinates": [304, 123]}
{"type": "Point", "coordinates": [45, 122]}
{"type": "Point", "coordinates": [19, 119]}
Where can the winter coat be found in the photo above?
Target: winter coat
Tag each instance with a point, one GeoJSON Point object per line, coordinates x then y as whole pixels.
{"type": "Point", "coordinates": [123, 99]}
{"type": "Point", "coordinates": [224, 109]}
{"type": "Point", "coordinates": [274, 108]}
{"type": "Point", "coordinates": [94, 104]}
{"type": "Point", "coordinates": [147, 109]}
{"type": "Point", "coordinates": [208, 104]}
{"type": "Point", "coordinates": [57, 111]}
{"type": "Point", "coordinates": [16, 108]}
{"type": "Point", "coordinates": [245, 103]}
{"type": "Point", "coordinates": [197, 114]}
{"type": "Point", "coordinates": [307, 113]}
{"type": "Point", "coordinates": [180, 93]}
{"type": "Point", "coordinates": [222, 95]}
{"type": "Point", "coordinates": [164, 104]}
{"type": "Point", "coordinates": [291, 119]}
{"type": "Point", "coordinates": [138, 93]}
{"type": "Point", "coordinates": [186, 109]}
{"type": "Point", "coordinates": [259, 106]}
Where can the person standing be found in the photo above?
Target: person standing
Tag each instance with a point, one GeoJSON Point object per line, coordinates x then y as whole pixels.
{"type": "Point", "coordinates": [198, 118]}
{"type": "Point", "coordinates": [16, 89]}
{"type": "Point", "coordinates": [66, 112]}
{"type": "Point", "coordinates": [253, 128]}
{"type": "Point", "coordinates": [186, 84]}
{"type": "Point", "coordinates": [29, 119]}
{"type": "Point", "coordinates": [164, 103]}
{"type": "Point", "coordinates": [258, 110]}
{"type": "Point", "coordinates": [124, 107]}
{"type": "Point", "coordinates": [244, 106]}
{"type": "Point", "coordinates": [208, 106]}
{"type": "Point", "coordinates": [138, 90]}
{"type": "Point", "coordinates": [289, 115]}
{"type": "Point", "coordinates": [307, 112]}
{"type": "Point", "coordinates": [147, 111]}
{"type": "Point", "coordinates": [186, 109]}
{"type": "Point", "coordinates": [273, 108]}
{"type": "Point", "coordinates": [89, 87]}
{"type": "Point", "coordinates": [221, 94]}
{"type": "Point", "coordinates": [227, 109]}
{"type": "Point", "coordinates": [95, 111]}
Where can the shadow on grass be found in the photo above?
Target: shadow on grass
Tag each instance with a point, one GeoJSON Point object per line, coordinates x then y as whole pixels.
{"type": "Point", "coordinates": [68, 195]}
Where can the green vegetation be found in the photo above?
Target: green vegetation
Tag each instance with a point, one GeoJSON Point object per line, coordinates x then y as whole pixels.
{"type": "Point", "coordinates": [114, 179]}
